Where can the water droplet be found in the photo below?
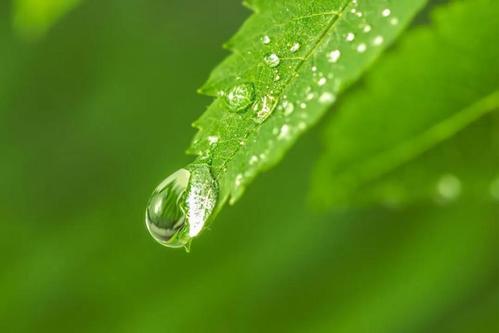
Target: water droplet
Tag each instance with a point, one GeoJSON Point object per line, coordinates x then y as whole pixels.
{"type": "Point", "coordinates": [386, 12]}
{"type": "Point", "coordinates": [449, 187]}
{"type": "Point", "coordinates": [240, 96]}
{"type": "Point", "coordinates": [266, 40]}
{"type": "Point", "coordinates": [288, 108]}
{"type": "Point", "coordinates": [367, 28]}
{"type": "Point", "coordinates": [180, 206]}
{"type": "Point", "coordinates": [295, 47]}
{"type": "Point", "coordinates": [264, 107]}
{"type": "Point", "coordinates": [284, 132]}
{"type": "Point", "coordinates": [378, 40]}
{"type": "Point", "coordinates": [361, 48]}
{"type": "Point", "coordinates": [213, 139]}
{"type": "Point", "coordinates": [239, 180]}
{"type": "Point", "coordinates": [334, 56]}
{"type": "Point", "coordinates": [350, 37]}
{"type": "Point", "coordinates": [272, 60]}
{"type": "Point", "coordinates": [322, 81]}
{"type": "Point", "coordinates": [326, 97]}
{"type": "Point", "coordinates": [394, 21]}
{"type": "Point", "coordinates": [314, 68]}
{"type": "Point", "coordinates": [253, 160]}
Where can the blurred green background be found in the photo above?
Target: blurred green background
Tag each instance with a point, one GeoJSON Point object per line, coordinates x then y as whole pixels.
{"type": "Point", "coordinates": [96, 110]}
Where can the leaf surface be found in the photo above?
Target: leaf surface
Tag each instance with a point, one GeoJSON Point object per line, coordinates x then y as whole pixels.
{"type": "Point", "coordinates": [316, 48]}
{"type": "Point", "coordinates": [438, 81]}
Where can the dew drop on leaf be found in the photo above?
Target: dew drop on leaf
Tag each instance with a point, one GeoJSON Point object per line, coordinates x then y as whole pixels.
{"type": "Point", "coordinates": [272, 60]}
{"type": "Point", "coordinates": [333, 56]}
{"type": "Point", "coordinates": [264, 107]}
{"type": "Point", "coordinates": [240, 96]}
{"type": "Point", "coordinates": [266, 40]}
{"type": "Point", "coordinates": [361, 48]}
{"type": "Point", "coordinates": [350, 37]}
{"type": "Point", "coordinates": [180, 206]}
{"type": "Point", "coordinates": [295, 47]}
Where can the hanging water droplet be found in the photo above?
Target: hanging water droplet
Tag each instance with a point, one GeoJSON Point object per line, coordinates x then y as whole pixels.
{"type": "Point", "coordinates": [264, 107]}
{"type": "Point", "coordinates": [295, 47]}
{"type": "Point", "coordinates": [180, 206]}
{"type": "Point", "coordinates": [272, 60]}
{"type": "Point", "coordinates": [240, 96]}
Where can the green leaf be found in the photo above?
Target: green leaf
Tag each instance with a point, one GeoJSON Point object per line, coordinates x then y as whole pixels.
{"type": "Point", "coordinates": [298, 56]}
{"type": "Point", "coordinates": [439, 80]}
{"type": "Point", "coordinates": [33, 18]}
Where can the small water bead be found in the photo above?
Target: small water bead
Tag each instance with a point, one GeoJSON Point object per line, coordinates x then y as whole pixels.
{"type": "Point", "coordinates": [266, 40]}
{"type": "Point", "coordinates": [213, 139]}
{"type": "Point", "coordinates": [284, 132]}
{"type": "Point", "coordinates": [180, 206]}
{"type": "Point", "coordinates": [378, 40]}
{"type": "Point", "coordinates": [350, 37]}
{"type": "Point", "coordinates": [295, 47]}
{"type": "Point", "coordinates": [326, 98]}
{"type": "Point", "coordinates": [386, 12]}
{"type": "Point", "coordinates": [272, 60]}
{"type": "Point", "coordinates": [288, 108]}
{"type": "Point", "coordinates": [264, 107]}
{"type": "Point", "coordinates": [367, 28]}
{"type": "Point", "coordinates": [333, 56]}
{"type": "Point", "coordinates": [322, 81]}
{"type": "Point", "coordinates": [240, 96]}
{"type": "Point", "coordinates": [394, 21]}
{"type": "Point", "coordinates": [361, 48]}
{"type": "Point", "coordinates": [253, 160]}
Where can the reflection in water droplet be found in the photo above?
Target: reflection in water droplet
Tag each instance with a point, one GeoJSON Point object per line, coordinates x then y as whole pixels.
{"type": "Point", "coordinates": [264, 107]}
{"type": "Point", "coordinates": [240, 97]}
{"type": "Point", "coordinates": [272, 60]}
{"type": "Point", "coordinates": [180, 206]}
